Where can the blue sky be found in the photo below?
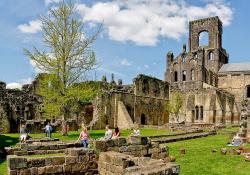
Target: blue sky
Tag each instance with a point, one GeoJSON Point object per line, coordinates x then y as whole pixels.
{"type": "Point", "coordinates": [135, 38]}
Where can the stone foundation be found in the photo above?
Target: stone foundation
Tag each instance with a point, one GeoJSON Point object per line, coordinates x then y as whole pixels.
{"type": "Point", "coordinates": [135, 146]}
{"type": "Point", "coordinates": [75, 161]}
{"type": "Point", "coordinates": [113, 163]}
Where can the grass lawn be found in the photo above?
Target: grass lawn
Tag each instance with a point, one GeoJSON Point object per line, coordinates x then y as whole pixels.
{"type": "Point", "coordinates": [199, 159]}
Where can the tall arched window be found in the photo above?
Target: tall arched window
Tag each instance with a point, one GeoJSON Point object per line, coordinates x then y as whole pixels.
{"type": "Point", "coordinates": [210, 56]}
{"type": "Point", "coordinates": [196, 113]}
{"type": "Point", "coordinates": [192, 74]}
{"type": "Point", "coordinates": [184, 75]}
{"type": "Point", "coordinates": [145, 87]}
{"type": "Point", "coordinates": [204, 38]}
{"type": "Point", "coordinates": [175, 76]}
{"type": "Point", "coordinates": [201, 112]}
{"type": "Point", "coordinates": [143, 119]}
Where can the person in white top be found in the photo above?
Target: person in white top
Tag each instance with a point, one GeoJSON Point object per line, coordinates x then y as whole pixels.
{"type": "Point", "coordinates": [108, 133]}
{"type": "Point", "coordinates": [136, 130]}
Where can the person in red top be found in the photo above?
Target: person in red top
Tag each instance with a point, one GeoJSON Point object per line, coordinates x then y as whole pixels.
{"type": "Point", "coordinates": [84, 137]}
{"type": "Point", "coordinates": [116, 134]}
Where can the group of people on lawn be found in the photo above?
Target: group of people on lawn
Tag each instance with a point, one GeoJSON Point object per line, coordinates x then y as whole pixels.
{"type": "Point", "coordinates": [109, 134]}
{"type": "Point", "coordinates": [83, 137]}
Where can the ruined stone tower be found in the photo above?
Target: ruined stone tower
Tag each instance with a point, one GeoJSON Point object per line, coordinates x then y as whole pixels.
{"type": "Point", "coordinates": [195, 74]}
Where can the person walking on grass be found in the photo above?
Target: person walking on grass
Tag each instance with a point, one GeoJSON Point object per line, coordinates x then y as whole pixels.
{"type": "Point", "coordinates": [48, 130]}
{"type": "Point", "coordinates": [84, 138]}
{"type": "Point", "coordinates": [23, 134]}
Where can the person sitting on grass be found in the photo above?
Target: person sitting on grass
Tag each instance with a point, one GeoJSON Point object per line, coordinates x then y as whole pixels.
{"type": "Point", "coordinates": [236, 141]}
{"type": "Point", "coordinates": [23, 134]}
{"type": "Point", "coordinates": [108, 133]}
{"type": "Point", "coordinates": [136, 131]}
{"type": "Point", "coordinates": [116, 134]}
{"type": "Point", "coordinates": [84, 137]}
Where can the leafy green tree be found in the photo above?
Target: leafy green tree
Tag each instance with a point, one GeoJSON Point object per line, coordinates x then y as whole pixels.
{"type": "Point", "coordinates": [174, 105]}
{"type": "Point", "coordinates": [65, 61]}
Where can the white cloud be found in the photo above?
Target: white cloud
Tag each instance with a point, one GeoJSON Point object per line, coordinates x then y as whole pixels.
{"type": "Point", "coordinates": [144, 22]}
{"type": "Point", "coordinates": [31, 28]}
{"type": "Point", "coordinates": [19, 84]}
{"type": "Point", "coordinates": [146, 66]}
{"type": "Point", "coordinates": [47, 2]}
{"type": "Point", "coordinates": [125, 62]}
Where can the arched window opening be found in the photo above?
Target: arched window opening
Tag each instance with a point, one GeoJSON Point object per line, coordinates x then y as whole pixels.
{"type": "Point", "coordinates": [143, 119]}
{"type": "Point", "coordinates": [192, 74]}
{"type": "Point", "coordinates": [184, 75]}
{"type": "Point", "coordinates": [210, 56]}
{"type": "Point", "coordinates": [175, 76]}
{"type": "Point", "coordinates": [184, 59]}
{"type": "Point", "coordinates": [145, 87]}
{"type": "Point", "coordinates": [195, 56]}
{"type": "Point", "coordinates": [204, 38]}
{"type": "Point", "coordinates": [196, 113]}
{"type": "Point", "coordinates": [248, 91]}
{"type": "Point", "coordinates": [201, 113]}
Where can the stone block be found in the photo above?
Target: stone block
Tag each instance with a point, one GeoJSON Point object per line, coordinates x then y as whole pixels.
{"type": "Point", "coordinates": [100, 145]}
{"type": "Point", "coordinates": [77, 167]}
{"type": "Point", "coordinates": [58, 168]}
{"type": "Point", "coordinates": [37, 162]}
{"type": "Point", "coordinates": [48, 161]}
{"type": "Point", "coordinates": [122, 141]}
{"type": "Point", "coordinates": [137, 140]}
{"type": "Point", "coordinates": [12, 172]}
{"type": "Point", "coordinates": [49, 169]}
{"type": "Point", "coordinates": [33, 170]}
{"type": "Point", "coordinates": [153, 150]}
{"type": "Point", "coordinates": [83, 158]}
{"type": "Point", "coordinates": [182, 151]}
{"type": "Point", "coordinates": [58, 160]}
{"type": "Point", "coordinates": [123, 149]}
{"type": "Point", "coordinates": [70, 160]}
{"type": "Point", "coordinates": [24, 171]}
{"type": "Point", "coordinates": [223, 151]}
{"type": "Point", "coordinates": [67, 168]}
{"type": "Point", "coordinates": [15, 162]}
{"type": "Point", "coordinates": [41, 170]}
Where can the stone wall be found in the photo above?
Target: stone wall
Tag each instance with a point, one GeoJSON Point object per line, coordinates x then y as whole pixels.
{"type": "Point", "coordinates": [136, 146]}
{"type": "Point", "coordinates": [76, 161]}
{"type": "Point", "coordinates": [236, 83]}
{"type": "Point", "coordinates": [113, 163]}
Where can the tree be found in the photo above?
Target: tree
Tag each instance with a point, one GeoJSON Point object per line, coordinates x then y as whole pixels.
{"type": "Point", "coordinates": [174, 105]}
{"type": "Point", "coordinates": [67, 58]}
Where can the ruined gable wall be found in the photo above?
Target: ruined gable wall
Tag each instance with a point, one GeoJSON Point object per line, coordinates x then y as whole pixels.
{"type": "Point", "coordinates": [235, 83]}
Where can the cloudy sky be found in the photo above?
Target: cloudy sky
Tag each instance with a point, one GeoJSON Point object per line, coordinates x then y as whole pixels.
{"type": "Point", "coordinates": [135, 38]}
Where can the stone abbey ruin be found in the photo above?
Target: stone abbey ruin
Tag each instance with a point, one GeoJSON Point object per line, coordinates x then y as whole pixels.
{"type": "Point", "coordinates": [214, 94]}
{"type": "Point", "coordinates": [212, 89]}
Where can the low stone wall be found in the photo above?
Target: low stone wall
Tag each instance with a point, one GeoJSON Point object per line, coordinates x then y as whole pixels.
{"type": "Point", "coordinates": [113, 163]}
{"type": "Point", "coordinates": [75, 161]}
{"type": "Point", "coordinates": [134, 145]}
{"type": "Point", "coordinates": [183, 137]}
{"type": "Point", "coordinates": [40, 148]}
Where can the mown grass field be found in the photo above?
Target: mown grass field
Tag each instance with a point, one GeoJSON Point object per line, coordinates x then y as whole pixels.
{"type": "Point", "coordinates": [199, 160]}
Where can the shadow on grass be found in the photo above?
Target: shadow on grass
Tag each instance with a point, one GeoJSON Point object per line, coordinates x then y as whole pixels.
{"type": "Point", "coordinates": [6, 141]}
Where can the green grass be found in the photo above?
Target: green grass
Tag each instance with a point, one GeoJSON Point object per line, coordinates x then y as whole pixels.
{"type": "Point", "coordinates": [199, 159]}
